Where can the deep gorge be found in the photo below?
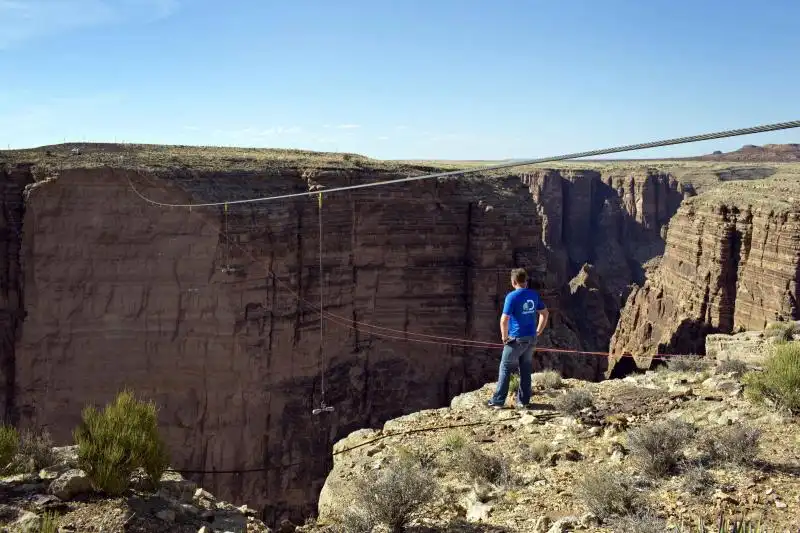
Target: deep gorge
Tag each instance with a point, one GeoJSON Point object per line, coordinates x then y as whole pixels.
{"type": "Point", "coordinates": [117, 293]}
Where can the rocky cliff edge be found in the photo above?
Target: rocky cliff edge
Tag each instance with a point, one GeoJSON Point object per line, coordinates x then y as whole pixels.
{"type": "Point", "coordinates": [526, 471]}
{"type": "Point", "coordinates": [59, 498]}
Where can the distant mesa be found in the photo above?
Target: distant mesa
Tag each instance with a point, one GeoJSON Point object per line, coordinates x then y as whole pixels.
{"type": "Point", "coordinates": [775, 153]}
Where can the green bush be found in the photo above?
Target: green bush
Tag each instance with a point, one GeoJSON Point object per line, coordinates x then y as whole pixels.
{"type": "Point", "coordinates": [9, 444]}
{"type": "Point", "coordinates": [779, 382]}
{"type": "Point", "coordinates": [115, 442]}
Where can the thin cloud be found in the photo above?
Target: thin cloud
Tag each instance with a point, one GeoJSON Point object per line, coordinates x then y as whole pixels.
{"type": "Point", "coordinates": [23, 20]}
{"type": "Point", "coordinates": [383, 138]}
{"type": "Point", "coordinates": [348, 126]}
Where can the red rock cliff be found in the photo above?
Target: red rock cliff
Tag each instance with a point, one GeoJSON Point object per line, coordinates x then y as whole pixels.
{"type": "Point", "coordinates": [119, 293]}
{"type": "Point", "coordinates": [600, 228]}
{"type": "Point", "coordinates": [12, 185]}
{"type": "Point", "coordinates": [732, 261]}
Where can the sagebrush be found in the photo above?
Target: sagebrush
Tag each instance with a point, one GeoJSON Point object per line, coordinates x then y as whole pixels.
{"type": "Point", "coordinates": [657, 448]}
{"type": "Point", "coordinates": [697, 481]}
{"type": "Point", "coordinates": [536, 452]}
{"type": "Point", "coordinates": [734, 445]}
{"type": "Point", "coordinates": [732, 366]}
{"type": "Point", "coordinates": [646, 522]}
{"type": "Point", "coordinates": [609, 493]}
{"type": "Point", "coordinates": [455, 441]}
{"type": "Point", "coordinates": [116, 441]}
{"type": "Point", "coordinates": [391, 497]}
{"type": "Point", "coordinates": [782, 330]}
{"type": "Point", "coordinates": [549, 379]}
{"type": "Point", "coordinates": [686, 363]}
{"type": "Point", "coordinates": [574, 401]}
{"type": "Point", "coordinates": [779, 382]}
{"type": "Point", "coordinates": [482, 466]}
{"type": "Point", "coordinates": [35, 451]}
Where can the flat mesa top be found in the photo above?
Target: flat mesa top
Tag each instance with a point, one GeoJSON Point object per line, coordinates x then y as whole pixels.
{"type": "Point", "coordinates": [696, 171]}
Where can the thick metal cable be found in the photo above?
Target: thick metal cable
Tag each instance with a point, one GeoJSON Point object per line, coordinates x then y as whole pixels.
{"type": "Point", "coordinates": [628, 148]}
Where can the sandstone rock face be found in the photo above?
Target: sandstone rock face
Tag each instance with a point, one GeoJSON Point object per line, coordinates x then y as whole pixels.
{"type": "Point", "coordinates": [600, 228]}
{"type": "Point", "coordinates": [120, 293]}
{"type": "Point", "coordinates": [731, 263]}
{"type": "Point", "coordinates": [12, 184]}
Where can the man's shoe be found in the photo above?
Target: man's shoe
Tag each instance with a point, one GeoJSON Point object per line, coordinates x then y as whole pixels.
{"type": "Point", "coordinates": [493, 405]}
{"type": "Point", "coordinates": [520, 406]}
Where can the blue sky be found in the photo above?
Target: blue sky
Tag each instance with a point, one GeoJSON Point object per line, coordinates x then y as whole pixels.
{"type": "Point", "coordinates": [449, 79]}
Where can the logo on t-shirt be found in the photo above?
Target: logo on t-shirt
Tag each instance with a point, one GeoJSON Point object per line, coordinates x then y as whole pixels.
{"type": "Point", "coordinates": [528, 307]}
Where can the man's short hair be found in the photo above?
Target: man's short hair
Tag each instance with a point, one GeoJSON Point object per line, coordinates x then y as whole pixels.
{"type": "Point", "coordinates": [519, 276]}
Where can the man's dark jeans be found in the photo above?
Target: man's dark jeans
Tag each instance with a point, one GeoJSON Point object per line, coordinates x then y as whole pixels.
{"type": "Point", "coordinates": [517, 356]}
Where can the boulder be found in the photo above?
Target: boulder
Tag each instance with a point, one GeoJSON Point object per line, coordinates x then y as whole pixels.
{"type": "Point", "coordinates": [71, 483]}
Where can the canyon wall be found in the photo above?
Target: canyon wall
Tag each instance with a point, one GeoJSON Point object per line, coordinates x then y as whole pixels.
{"type": "Point", "coordinates": [600, 229]}
{"type": "Point", "coordinates": [120, 293]}
{"type": "Point", "coordinates": [732, 262]}
{"type": "Point", "coordinates": [12, 312]}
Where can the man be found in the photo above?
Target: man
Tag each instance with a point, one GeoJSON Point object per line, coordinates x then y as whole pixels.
{"type": "Point", "coordinates": [519, 329]}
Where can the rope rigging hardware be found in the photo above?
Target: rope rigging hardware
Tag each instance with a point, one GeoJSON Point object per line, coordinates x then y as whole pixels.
{"type": "Point", "coordinates": [323, 407]}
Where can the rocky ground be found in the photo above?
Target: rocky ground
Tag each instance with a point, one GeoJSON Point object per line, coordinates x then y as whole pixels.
{"type": "Point", "coordinates": [59, 499]}
{"type": "Point", "coordinates": [543, 480]}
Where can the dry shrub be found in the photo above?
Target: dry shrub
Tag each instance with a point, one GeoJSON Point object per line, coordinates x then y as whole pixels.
{"type": "Point", "coordinates": [734, 445]}
{"type": "Point", "coordinates": [732, 366]}
{"type": "Point", "coordinates": [392, 497]}
{"type": "Point", "coordinates": [697, 481]}
{"type": "Point", "coordinates": [549, 379]}
{"type": "Point", "coordinates": [116, 441]}
{"type": "Point", "coordinates": [657, 448]}
{"type": "Point", "coordinates": [782, 331]}
{"type": "Point", "coordinates": [779, 383]}
{"type": "Point", "coordinates": [640, 523]}
{"type": "Point", "coordinates": [9, 444]}
{"type": "Point", "coordinates": [609, 493]}
{"type": "Point", "coordinates": [482, 466]}
{"type": "Point", "coordinates": [574, 401]}
{"type": "Point", "coordinates": [537, 452]}
{"type": "Point", "coordinates": [687, 363]}
{"type": "Point", "coordinates": [35, 451]}
{"type": "Point", "coordinates": [455, 441]}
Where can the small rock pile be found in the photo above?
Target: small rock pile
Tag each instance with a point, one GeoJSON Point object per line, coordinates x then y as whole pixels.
{"type": "Point", "coordinates": [60, 499]}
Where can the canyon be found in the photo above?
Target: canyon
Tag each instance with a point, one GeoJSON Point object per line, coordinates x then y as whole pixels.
{"type": "Point", "coordinates": [103, 291]}
{"type": "Point", "coordinates": [732, 263]}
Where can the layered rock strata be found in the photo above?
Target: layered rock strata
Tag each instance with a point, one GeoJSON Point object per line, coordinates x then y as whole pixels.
{"type": "Point", "coordinates": [120, 293]}
{"type": "Point", "coordinates": [600, 229]}
{"type": "Point", "coordinates": [732, 263]}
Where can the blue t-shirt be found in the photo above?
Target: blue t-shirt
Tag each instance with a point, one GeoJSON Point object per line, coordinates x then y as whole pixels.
{"type": "Point", "coordinates": [522, 306]}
